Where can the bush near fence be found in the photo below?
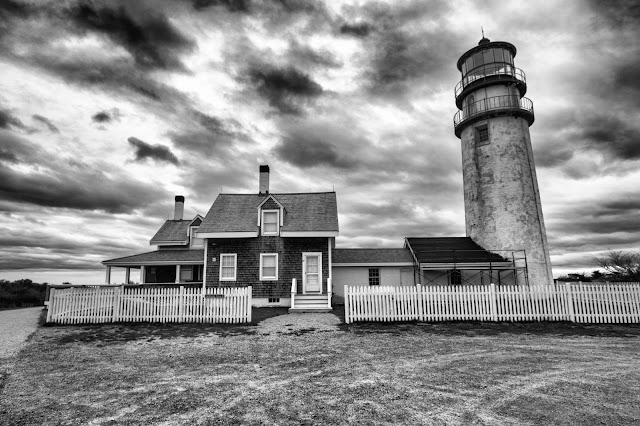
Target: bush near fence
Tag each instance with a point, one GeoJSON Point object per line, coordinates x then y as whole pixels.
{"type": "Point", "coordinates": [577, 302]}
{"type": "Point", "coordinates": [21, 294]}
{"type": "Point", "coordinates": [166, 303]}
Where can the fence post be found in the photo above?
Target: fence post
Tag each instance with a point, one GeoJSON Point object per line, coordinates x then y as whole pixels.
{"type": "Point", "coordinates": [346, 305]}
{"type": "Point", "coordinates": [572, 315]}
{"type": "Point", "coordinates": [249, 296]}
{"type": "Point", "coordinates": [419, 299]}
{"type": "Point", "coordinates": [51, 305]}
{"type": "Point", "coordinates": [294, 290]}
{"type": "Point", "coordinates": [493, 302]}
{"type": "Point", "coordinates": [181, 304]}
{"type": "Point", "coordinates": [116, 304]}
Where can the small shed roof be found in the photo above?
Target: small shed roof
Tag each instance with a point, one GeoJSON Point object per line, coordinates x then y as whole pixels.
{"type": "Point", "coordinates": [371, 256]}
{"type": "Point", "coordinates": [450, 250]}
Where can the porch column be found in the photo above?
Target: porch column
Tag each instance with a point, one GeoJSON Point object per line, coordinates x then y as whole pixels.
{"type": "Point", "coordinates": [127, 275]}
{"type": "Point", "coordinates": [177, 273]}
{"type": "Point", "coordinates": [142, 274]}
{"type": "Point", "coordinates": [107, 279]}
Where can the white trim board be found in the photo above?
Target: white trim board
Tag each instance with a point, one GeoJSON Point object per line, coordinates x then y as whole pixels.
{"type": "Point", "coordinates": [240, 234]}
{"type": "Point", "coordinates": [308, 233]}
{"type": "Point", "coordinates": [374, 264]}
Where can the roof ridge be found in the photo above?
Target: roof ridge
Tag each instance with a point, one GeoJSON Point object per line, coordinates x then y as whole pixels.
{"type": "Point", "coordinates": [281, 193]}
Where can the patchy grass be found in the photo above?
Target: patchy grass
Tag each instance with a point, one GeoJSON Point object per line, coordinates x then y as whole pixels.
{"type": "Point", "coordinates": [445, 373]}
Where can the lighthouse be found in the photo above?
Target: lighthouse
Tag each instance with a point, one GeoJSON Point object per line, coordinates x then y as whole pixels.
{"type": "Point", "coordinates": [501, 196]}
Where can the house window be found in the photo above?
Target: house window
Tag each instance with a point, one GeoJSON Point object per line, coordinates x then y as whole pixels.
{"type": "Point", "coordinates": [228, 266]}
{"type": "Point", "coordinates": [455, 277]}
{"type": "Point", "coordinates": [270, 222]}
{"type": "Point", "coordinates": [274, 300]}
{"type": "Point", "coordinates": [186, 274]}
{"type": "Point", "coordinates": [374, 276]}
{"type": "Point", "coordinates": [195, 242]}
{"type": "Point", "coordinates": [268, 267]}
{"type": "Point", "coordinates": [482, 134]}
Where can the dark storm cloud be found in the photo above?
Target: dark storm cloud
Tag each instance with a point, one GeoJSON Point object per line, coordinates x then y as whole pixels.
{"type": "Point", "coordinates": [286, 89]}
{"type": "Point", "coordinates": [403, 55]}
{"type": "Point", "coordinates": [146, 151]}
{"type": "Point", "coordinates": [152, 40]}
{"type": "Point", "coordinates": [7, 119]}
{"type": "Point", "coordinates": [617, 138]}
{"type": "Point", "coordinates": [309, 151]}
{"type": "Point", "coordinates": [356, 30]}
{"type": "Point", "coordinates": [306, 57]}
{"type": "Point", "coordinates": [616, 13]}
{"type": "Point", "coordinates": [101, 117]}
{"type": "Point", "coordinates": [44, 120]}
{"type": "Point", "coordinates": [230, 5]}
{"type": "Point", "coordinates": [60, 182]}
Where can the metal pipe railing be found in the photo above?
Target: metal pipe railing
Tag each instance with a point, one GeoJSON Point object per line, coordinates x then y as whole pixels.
{"type": "Point", "coordinates": [491, 104]}
{"type": "Point", "coordinates": [493, 71]}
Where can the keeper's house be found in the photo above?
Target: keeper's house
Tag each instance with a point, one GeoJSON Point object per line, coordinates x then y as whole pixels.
{"type": "Point", "coordinates": [283, 246]}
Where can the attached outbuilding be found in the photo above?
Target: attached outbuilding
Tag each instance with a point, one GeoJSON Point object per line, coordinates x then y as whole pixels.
{"type": "Point", "coordinates": [371, 267]}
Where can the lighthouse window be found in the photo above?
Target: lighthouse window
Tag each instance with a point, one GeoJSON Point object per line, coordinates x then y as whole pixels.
{"type": "Point", "coordinates": [482, 135]}
{"type": "Point", "coordinates": [488, 56]}
{"type": "Point", "coordinates": [499, 57]}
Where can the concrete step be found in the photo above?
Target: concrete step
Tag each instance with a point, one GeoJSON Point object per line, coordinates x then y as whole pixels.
{"type": "Point", "coordinates": [307, 309]}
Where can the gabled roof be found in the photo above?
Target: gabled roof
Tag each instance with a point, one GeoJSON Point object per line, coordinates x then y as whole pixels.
{"type": "Point", "coordinates": [159, 257]}
{"type": "Point", "coordinates": [450, 250]}
{"type": "Point", "coordinates": [372, 256]}
{"type": "Point", "coordinates": [305, 212]}
{"type": "Point", "coordinates": [174, 232]}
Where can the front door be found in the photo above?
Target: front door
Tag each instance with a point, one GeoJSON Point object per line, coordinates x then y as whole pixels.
{"type": "Point", "coordinates": [311, 273]}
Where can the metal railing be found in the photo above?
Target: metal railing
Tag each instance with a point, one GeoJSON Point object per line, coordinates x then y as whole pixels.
{"type": "Point", "coordinates": [505, 102]}
{"type": "Point", "coordinates": [491, 71]}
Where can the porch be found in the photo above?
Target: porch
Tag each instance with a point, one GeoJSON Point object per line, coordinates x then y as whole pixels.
{"type": "Point", "coordinates": [310, 301]}
{"type": "Point", "coordinates": [158, 267]}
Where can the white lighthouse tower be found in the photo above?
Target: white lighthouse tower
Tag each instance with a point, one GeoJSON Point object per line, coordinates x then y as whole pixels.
{"type": "Point", "coordinates": [501, 197]}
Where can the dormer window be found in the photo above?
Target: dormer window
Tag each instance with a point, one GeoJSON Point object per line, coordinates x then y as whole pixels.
{"type": "Point", "coordinates": [270, 222]}
{"type": "Point", "coordinates": [194, 241]}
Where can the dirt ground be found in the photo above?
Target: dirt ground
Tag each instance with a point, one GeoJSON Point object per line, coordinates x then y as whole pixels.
{"type": "Point", "coordinates": [282, 370]}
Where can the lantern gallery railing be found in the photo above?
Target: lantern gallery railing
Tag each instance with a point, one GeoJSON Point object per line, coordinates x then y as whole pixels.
{"type": "Point", "coordinates": [495, 103]}
{"type": "Point", "coordinates": [492, 72]}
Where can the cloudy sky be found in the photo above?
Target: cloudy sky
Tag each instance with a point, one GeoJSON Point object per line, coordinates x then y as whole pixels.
{"type": "Point", "coordinates": [108, 109]}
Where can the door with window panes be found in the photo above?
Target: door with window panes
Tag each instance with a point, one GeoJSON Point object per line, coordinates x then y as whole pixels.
{"type": "Point", "coordinates": [312, 272]}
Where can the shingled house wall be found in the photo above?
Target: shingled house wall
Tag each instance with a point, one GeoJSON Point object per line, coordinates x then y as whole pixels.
{"type": "Point", "coordinates": [248, 267]}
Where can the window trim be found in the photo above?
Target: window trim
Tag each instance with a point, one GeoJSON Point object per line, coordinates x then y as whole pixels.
{"type": "Point", "coordinates": [477, 130]}
{"type": "Point", "coordinates": [262, 277]}
{"type": "Point", "coordinates": [192, 231]}
{"type": "Point", "coordinates": [235, 267]}
{"type": "Point", "coordinates": [374, 277]}
{"type": "Point", "coordinates": [262, 231]}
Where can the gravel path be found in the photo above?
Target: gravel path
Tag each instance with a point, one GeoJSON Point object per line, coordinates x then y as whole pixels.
{"type": "Point", "coordinates": [15, 326]}
{"type": "Point", "coordinates": [296, 323]}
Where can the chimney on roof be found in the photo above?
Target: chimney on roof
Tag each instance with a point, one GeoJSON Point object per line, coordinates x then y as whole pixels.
{"type": "Point", "coordinates": [178, 212]}
{"type": "Point", "coordinates": [264, 180]}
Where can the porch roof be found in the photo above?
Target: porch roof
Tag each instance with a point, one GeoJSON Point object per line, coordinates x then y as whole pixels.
{"type": "Point", "coordinates": [160, 257]}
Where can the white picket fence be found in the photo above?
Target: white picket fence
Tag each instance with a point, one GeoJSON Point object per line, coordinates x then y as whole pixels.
{"type": "Point", "coordinates": [577, 302]}
{"type": "Point", "coordinates": [102, 304]}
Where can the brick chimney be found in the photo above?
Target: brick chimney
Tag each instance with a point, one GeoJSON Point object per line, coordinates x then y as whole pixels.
{"type": "Point", "coordinates": [179, 209]}
{"type": "Point", "coordinates": [264, 180]}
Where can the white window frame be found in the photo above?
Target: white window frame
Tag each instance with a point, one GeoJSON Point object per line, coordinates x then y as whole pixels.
{"type": "Point", "coordinates": [262, 231]}
{"type": "Point", "coordinates": [192, 231]}
{"type": "Point", "coordinates": [235, 267]}
{"type": "Point", "coordinates": [262, 277]}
